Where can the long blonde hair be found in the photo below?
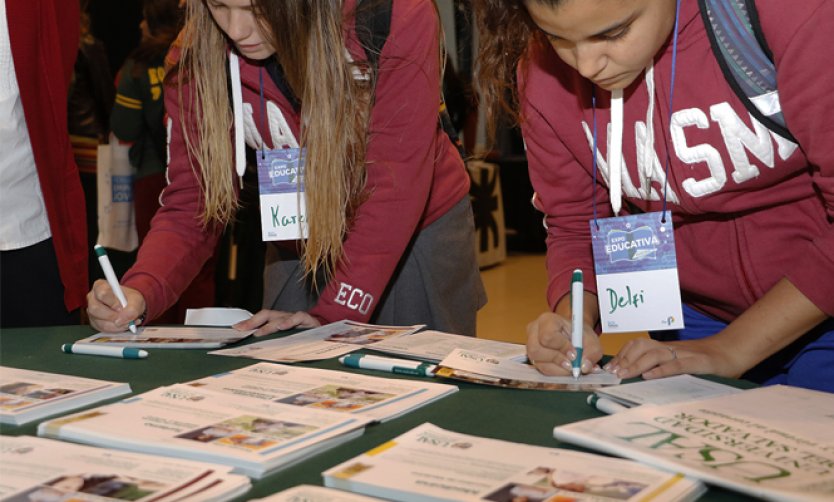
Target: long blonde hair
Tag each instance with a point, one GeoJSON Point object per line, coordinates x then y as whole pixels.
{"type": "Point", "coordinates": [308, 38]}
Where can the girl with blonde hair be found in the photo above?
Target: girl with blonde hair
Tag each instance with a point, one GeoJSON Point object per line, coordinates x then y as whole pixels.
{"type": "Point", "coordinates": [378, 213]}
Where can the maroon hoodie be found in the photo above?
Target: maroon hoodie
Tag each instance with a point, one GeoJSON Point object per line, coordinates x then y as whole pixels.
{"type": "Point", "coordinates": [414, 174]}
{"type": "Point", "coordinates": [749, 207]}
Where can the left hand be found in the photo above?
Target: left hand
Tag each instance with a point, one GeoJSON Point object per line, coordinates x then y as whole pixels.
{"type": "Point", "coordinates": [652, 359]}
{"type": "Point", "coordinates": [270, 321]}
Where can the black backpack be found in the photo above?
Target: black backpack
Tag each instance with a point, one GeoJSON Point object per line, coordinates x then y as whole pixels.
{"type": "Point", "coordinates": [742, 52]}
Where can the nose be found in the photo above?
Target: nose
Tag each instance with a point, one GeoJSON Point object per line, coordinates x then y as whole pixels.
{"type": "Point", "coordinates": [239, 26]}
{"type": "Point", "coordinates": [589, 60]}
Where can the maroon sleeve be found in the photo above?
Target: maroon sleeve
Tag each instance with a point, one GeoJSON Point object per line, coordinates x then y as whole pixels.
{"type": "Point", "coordinates": [564, 190]}
{"type": "Point", "coordinates": [178, 244]}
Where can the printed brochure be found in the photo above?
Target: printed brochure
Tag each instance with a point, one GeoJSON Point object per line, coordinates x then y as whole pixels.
{"type": "Point", "coordinates": [484, 369]}
{"type": "Point", "coordinates": [376, 398]}
{"type": "Point", "coordinates": [38, 469]}
{"type": "Point", "coordinates": [774, 443]}
{"type": "Point", "coordinates": [168, 337]}
{"type": "Point", "coordinates": [325, 342]}
{"type": "Point", "coordinates": [255, 437]}
{"type": "Point", "coordinates": [27, 395]}
{"type": "Point", "coordinates": [434, 346]}
{"type": "Point", "coordinates": [430, 463]}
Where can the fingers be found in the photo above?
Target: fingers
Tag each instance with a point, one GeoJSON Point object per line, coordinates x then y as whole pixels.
{"type": "Point", "coordinates": [549, 348]}
{"type": "Point", "coordinates": [106, 313]}
{"type": "Point", "coordinates": [648, 358]}
{"type": "Point", "coordinates": [267, 322]}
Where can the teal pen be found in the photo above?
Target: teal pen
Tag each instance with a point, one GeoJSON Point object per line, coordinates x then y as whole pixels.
{"type": "Point", "coordinates": [577, 293]}
{"type": "Point", "coordinates": [104, 350]}
{"type": "Point", "coordinates": [605, 405]}
{"type": "Point", "coordinates": [397, 366]}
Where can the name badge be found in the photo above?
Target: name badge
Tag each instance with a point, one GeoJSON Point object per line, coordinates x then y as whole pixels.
{"type": "Point", "coordinates": [637, 273]}
{"type": "Point", "coordinates": [281, 188]}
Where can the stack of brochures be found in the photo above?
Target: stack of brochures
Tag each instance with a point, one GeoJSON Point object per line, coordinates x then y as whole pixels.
{"type": "Point", "coordinates": [430, 463]}
{"type": "Point", "coordinates": [256, 437]}
{"type": "Point", "coordinates": [775, 443]}
{"type": "Point", "coordinates": [163, 337]}
{"type": "Point", "coordinates": [37, 469]}
{"type": "Point", "coordinates": [375, 398]}
{"type": "Point", "coordinates": [27, 395]}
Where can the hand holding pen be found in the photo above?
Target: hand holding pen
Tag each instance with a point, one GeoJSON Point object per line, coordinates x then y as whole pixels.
{"type": "Point", "coordinates": [554, 338]}
{"type": "Point", "coordinates": [111, 307]}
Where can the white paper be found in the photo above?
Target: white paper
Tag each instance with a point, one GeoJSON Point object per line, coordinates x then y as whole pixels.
{"type": "Point", "coordinates": [215, 316]}
{"type": "Point", "coordinates": [489, 370]}
{"type": "Point", "coordinates": [310, 493]}
{"type": "Point", "coordinates": [771, 442]}
{"type": "Point", "coordinates": [325, 342]}
{"type": "Point", "coordinates": [430, 463]}
{"type": "Point", "coordinates": [433, 346]}
{"type": "Point", "coordinates": [27, 395]}
{"type": "Point", "coordinates": [372, 397]}
{"type": "Point", "coordinates": [667, 390]}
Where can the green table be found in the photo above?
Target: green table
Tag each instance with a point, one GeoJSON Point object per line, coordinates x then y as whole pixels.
{"type": "Point", "coordinates": [524, 416]}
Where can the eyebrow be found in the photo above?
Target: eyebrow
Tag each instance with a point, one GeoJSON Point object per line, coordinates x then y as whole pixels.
{"type": "Point", "coordinates": [616, 26]}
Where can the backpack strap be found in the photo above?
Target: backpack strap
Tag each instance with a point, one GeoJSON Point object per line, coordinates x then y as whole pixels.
{"type": "Point", "coordinates": [373, 25]}
{"type": "Point", "coordinates": [743, 55]}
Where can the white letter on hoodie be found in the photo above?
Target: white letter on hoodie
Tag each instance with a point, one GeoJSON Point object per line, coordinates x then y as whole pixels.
{"type": "Point", "coordinates": [739, 138]}
{"type": "Point", "coordinates": [699, 153]}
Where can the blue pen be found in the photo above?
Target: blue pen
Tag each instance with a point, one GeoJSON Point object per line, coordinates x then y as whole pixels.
{"type": "Point", "coordinates": [391, 365]}
{"type": "Point", "coordinates": [577, 293]}
{"type": "Point", "coordinates": [104, 350]}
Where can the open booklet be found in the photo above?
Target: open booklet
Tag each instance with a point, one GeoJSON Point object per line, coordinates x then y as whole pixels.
{"type": "Point", "coordinates": [430, 463]}
{"type": "Point", "coordinates": [27, 395]}
{"type": "Point", "coordinates": [325, 342]}
{"type": "Point", "coordinates": [434, 346]}
{"type": "Point", "coordinates": [170, 337]}
{"type": "Point", "coordinates": [484, 369]}
{"type": "Point", "coordinates": [667, 390]}
{"type": "Point", "coordinates": [376, 398]}
{"type": "Point", "coordinates": [38, 469]}
{"type": "Point", "coordinates": [775, 443]}
{"type": "Point", "coordinates": [255, 437]}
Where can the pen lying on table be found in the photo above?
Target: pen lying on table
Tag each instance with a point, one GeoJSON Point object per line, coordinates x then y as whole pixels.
{"type": "Point", "coordinates": [391, 365]}
{"type": "Point", "coordinates": [104, 350]}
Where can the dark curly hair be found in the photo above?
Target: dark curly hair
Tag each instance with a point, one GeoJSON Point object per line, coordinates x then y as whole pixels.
{"type": "Point", "coordinates": [506, 33]}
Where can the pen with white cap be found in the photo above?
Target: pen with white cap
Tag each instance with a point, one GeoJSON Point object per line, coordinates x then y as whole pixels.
{"type": "Point", "coordinates": [110, 275]}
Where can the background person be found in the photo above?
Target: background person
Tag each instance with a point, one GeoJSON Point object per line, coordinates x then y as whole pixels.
{"type": "Point", "coordinates": [43, 235]}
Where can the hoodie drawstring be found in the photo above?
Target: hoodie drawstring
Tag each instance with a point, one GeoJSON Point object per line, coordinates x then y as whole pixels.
{"type": "Point", "coordinates": [237, 108]}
